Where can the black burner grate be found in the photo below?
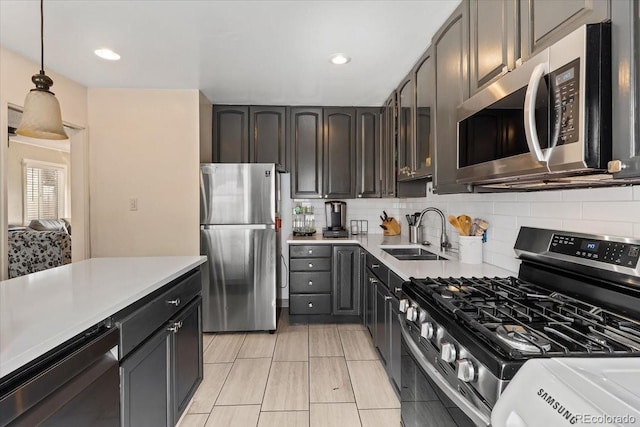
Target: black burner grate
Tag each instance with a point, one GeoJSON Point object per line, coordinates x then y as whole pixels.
{"type": "Point", "coordinates": [539, 321]}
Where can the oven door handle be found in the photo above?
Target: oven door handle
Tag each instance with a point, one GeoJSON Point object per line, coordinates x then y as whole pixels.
{"type": "Point", "coordinates": [530, 130]}
{"type": "Point", "coordinates": [472, 412]}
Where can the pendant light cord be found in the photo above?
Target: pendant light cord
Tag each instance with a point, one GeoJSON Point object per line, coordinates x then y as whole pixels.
{"type": "Point", "coordinates": [41, 36]}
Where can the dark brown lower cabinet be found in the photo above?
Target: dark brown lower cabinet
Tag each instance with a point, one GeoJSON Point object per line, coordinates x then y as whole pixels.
{"type": "Point", "coordinates": [158, 378]}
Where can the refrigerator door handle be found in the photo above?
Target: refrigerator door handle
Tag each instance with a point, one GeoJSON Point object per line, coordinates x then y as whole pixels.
{"type": "Point", "coordinates": [237, 227]}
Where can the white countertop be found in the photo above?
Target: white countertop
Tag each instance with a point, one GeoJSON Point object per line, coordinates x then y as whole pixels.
{"type": "Point", "coordinates": [42, 310]}
{"type": "Point", "coordinates": [419, 269]}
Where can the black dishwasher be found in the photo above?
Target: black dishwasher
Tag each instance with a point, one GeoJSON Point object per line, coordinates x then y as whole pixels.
{"type": "Point", "coordinates": [76, 384]}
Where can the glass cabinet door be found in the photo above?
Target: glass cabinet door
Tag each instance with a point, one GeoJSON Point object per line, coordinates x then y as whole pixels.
{"type": "Point", "coordinates": [406, 104]}
{"type": "Point", "coordinates": [425, 108]}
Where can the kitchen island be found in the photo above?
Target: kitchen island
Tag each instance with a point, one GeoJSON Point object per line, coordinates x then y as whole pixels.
{"type": "Point", "coordinates": [122, 298]}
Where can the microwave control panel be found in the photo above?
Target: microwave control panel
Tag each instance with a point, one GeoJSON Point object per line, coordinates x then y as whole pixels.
{"type": "Point", "coordinates": [607, 251]}
{"type": "Point", "coordinates": [565, 86]}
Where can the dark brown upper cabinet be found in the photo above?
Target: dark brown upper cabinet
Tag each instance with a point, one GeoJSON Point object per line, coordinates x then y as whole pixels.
{"type": "Point", "coordinates": [495, 40]}
{"type": "Point", "coordinates": [450, 47]}
{"type": "Point", "coordinates": [388, 150]}
{"type": "Point", "coordinates": [368, 152]}
{"type": "Point", "coordinates": [230, 134]}
{"type": "Point", "coordinates": [544, 22]}
{"type": "Point", "coordinates": [267, 136]}
{"type": "Point", "coordinates": [306, 133]}
{"type": "Point", "coordinates": [339, 153]}
{"type": "Point", "coordinates": [425, 87]}
{"type": "Point", "coordinates": [406, 109]}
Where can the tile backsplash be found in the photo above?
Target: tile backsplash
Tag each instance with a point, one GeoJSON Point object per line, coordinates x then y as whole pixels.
{"type": "Point", "coordinates": [613, 211]}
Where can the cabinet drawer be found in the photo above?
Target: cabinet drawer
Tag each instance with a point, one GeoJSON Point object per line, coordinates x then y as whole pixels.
{"type": "Point", "coordinates": [310, 283]}
{"type": "Point", "coordinates": [137, 326]}
{"type": "Point", "coordinates": [310, 304]}
{"type": "Point", "coordinates": [311, 264]}
{"type": "Point", "coordinates": [378, 268]}
{"type": "Point", "coordinates": [310, 251]}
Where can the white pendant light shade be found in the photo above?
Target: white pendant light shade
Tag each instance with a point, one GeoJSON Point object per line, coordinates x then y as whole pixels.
{"type": "Point", "coordinates": [41, 117]}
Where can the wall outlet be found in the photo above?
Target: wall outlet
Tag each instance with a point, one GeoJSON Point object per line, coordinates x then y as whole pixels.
{"type": "Point", "coordinates": [133, 204]}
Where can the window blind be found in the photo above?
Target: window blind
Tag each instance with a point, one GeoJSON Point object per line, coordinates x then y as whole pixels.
{"type": "Point", "coordinates": [43, 193]}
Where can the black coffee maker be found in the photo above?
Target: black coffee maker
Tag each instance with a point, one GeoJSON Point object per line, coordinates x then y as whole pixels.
{"type": "Point", "coordinates": [336, 213]}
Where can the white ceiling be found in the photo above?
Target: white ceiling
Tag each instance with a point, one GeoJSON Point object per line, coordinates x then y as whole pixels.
{"type": "Point", "coordinates": [241, 52]}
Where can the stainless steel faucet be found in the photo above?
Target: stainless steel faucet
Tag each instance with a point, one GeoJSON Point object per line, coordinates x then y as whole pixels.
{"type": "Point", "coordinates": [444, 239]}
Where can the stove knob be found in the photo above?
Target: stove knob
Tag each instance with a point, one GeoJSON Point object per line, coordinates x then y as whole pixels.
{"type": "Point", "coordinates": [448, 352]}
{"type": "Point", "coordinates": [404, 304]}
{"type": "Point", "coordinates": [412, 314]}
{"type": "Point", "coordinates": [465, 370]}
{"type": "Point", "coordinates": [422, 315]}
{"type": "Point", "coordinates": [426, 330]}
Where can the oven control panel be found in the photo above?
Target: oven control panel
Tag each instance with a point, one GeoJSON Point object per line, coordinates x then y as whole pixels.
{"type": "Point", "coordinates": [607, 251]}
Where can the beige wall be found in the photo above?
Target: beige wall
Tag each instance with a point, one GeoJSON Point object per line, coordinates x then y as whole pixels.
{"type": "Point", "coordinates": [16, 153]}
{"type": "Point", "coordinates": [206, 130]}
{"type": "Point", "coordinates": [15, 82]}
{"type": "Point", "coordinates": [145, 144]}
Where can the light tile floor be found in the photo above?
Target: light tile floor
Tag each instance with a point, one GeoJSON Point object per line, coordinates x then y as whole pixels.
{"type": "Point", "coordinates": [302, 376]}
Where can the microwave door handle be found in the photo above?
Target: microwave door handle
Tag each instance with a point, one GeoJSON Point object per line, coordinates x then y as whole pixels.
{"type": "Point", "coordinates": [530, 130]}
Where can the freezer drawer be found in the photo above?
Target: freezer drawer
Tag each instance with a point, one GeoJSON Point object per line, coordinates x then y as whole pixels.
{"type": "Point", "coordinates": [310, 283]}
{"type": "Point", "coordinates": [310, 304]}
{"type": "Point", "coordinates": [237, 193]}
{"type": "Point", "coordinates": [240, 292]}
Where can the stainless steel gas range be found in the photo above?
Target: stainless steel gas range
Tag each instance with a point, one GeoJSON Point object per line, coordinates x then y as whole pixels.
{"type": "Point", "coordinates": [464, 339]}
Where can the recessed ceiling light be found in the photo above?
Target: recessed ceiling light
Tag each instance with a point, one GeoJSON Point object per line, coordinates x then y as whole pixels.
{"type": "Point", "coordinates": [107, 54]}
{"type": "Point", "coordinates": [339, 58]}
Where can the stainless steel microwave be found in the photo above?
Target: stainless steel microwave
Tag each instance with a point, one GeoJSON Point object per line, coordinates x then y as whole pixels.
{"type": "Point", "coordinates": [549, 117]}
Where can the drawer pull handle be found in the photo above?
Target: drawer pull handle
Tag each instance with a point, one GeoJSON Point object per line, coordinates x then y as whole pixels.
{"type": "Point", "coordinates": [310, 265]}
{"type": "Point", "coordinates": [387, 298]}
{"type": "Point", "coordinates": [372, 280]}
{"type": "Point", "coordinates": [175, 326]}
{"type": "Point", "coordinates": [310, 305]}
{"type": "Point", "coordinates": [310, 282]}
{"type": "Point", "coordinates": [175, 302]}
{"type": "Point", "coordinates": [375, 265]}
{"type": "Point", "coordinates": [397, 290]}
{"type": "Point", "coordinates": [310, 251]}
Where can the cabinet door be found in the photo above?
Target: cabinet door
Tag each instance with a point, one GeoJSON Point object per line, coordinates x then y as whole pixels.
{"type": "Point", "coordinates": [382, 322]}
{"type": "Point", "coordinates": [339, 153]}
{"type": "Point", "coordinates": [425, 82]}
{"type": "Point", "coordinates": [389, 148]}
{"type": "Point", "coordinates": [543, 23]}
{"type": "Point", "coordinates": [406, 101]}
{"type": "Point", "coordinates": [144, 384]}
{"type": "Point", "coordinates": [267, 136]}
{"type": "Point", "coordinates": [230, 134]}
{"type": "Point", "coordinates": [186, 358]}
{"type": "Point", "coordinates": [395, 343]}
{"type": "Point", "coordinates": [306, 152]}
{"type": "Point", "coordinates": [494, 34]}
{"type": "Point", "coordinates": [625, 41]}
{"type": "Point", "coordinates": [450, 47]}
{"type": "Point", "coordinates": [368, 156]}
{"type": "Point", "coordinates": [370, 310]}
{"type": "Point", "coordinates": [346, 280]}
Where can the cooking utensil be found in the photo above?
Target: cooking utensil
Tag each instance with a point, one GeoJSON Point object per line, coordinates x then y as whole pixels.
{"type": "Point", "coordinates": [456, 224]}
{"type": "Point", "coordinates": [482, 226]}
{"type": "Point", "coordinates": [409, 219]}
{"type": "Point", "coordinates": [465, 224]}
{"type": "Point", "coordinates": [384, 227]}
{"type": "Point", "coordinates": [386, 217]}
{"type": "Point", "coordinates": [381, 218]}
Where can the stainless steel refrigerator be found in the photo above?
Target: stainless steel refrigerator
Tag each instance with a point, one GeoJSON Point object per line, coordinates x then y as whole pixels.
{"type": "Point", "coordinates": [238, 205]}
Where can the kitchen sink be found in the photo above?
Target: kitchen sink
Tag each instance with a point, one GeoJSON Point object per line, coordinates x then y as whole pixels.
{"type": "Point", "coordinates": [413, 254]}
